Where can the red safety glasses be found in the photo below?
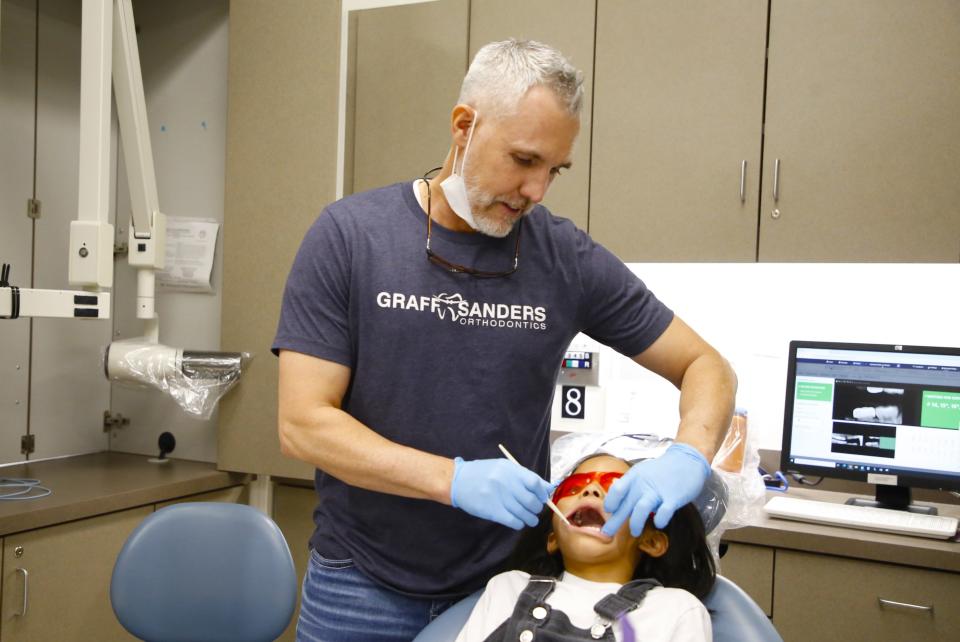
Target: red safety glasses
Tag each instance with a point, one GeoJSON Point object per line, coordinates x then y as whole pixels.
{"type": "Point", "coordinates": [574, 484]}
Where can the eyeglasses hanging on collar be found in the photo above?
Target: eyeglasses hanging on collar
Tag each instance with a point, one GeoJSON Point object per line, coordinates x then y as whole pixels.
{"type": "Point", "coordinates": [450, 266]}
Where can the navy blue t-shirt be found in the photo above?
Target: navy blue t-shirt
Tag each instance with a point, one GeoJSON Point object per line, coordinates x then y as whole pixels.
{"type": "Point", "coordinates": [447, 363]}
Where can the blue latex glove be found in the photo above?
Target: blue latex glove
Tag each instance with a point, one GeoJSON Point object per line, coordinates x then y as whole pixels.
{"type": "Point", "coordinates": [498, 490]}
{"type": "Point", "coordinates": [660, 485]}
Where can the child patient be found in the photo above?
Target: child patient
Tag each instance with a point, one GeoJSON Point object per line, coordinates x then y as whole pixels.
{"type": "Point", "coordinates": [566, 573]}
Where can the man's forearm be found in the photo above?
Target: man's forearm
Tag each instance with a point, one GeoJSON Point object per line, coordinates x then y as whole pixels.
{"type": "Point", "coordinates": [341, 446]}
{"type": "Point", "coordinates": [313, 428]}
{"type": "Point", "coordinates": [707, 397]}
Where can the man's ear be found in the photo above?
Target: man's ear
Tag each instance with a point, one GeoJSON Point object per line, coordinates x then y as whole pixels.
{"type": "Point", "coordinates": [461, 119]}
{"type": "Point", "coordinates": [653, 542]}
{"type": "Point", "coordinates": [552, 543]}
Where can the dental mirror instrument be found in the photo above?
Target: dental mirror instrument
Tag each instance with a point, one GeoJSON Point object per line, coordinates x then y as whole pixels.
{"type": "Point", "coordinates": [550, 504]}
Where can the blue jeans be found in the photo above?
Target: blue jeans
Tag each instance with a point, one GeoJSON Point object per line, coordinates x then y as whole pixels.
{"type": "Point", "coordinates": [341, 604]}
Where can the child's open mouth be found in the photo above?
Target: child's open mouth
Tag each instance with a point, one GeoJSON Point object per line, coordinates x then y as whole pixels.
{"type": "Point", "coordinates": [588, 520]}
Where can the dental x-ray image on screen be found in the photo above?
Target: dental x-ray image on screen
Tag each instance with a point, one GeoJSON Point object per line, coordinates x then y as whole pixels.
{"type": "Point", "coordinates": [862, 439]}
{"type": "Point", "coordinates": [871, 403]}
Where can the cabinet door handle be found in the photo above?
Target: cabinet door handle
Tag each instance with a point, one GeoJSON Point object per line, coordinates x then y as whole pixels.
{"type": "Point", "coordinates": [26, 576]}
{"type": "Point", "coordinates": [905, 606]}
{"type": "Point", "coordinates": [776, 180]}
{"type": "Point", "coordinates": [743, 181]}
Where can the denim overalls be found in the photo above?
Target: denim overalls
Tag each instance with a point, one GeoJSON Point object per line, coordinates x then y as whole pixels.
{"type": "Point", "coordinates": [534, 619]}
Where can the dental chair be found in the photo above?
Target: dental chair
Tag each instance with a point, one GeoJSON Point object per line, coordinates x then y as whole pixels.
{"type": "Point", "coordinates": [734, 615]}
{"type": "Point", "coordinates": [208, 571]}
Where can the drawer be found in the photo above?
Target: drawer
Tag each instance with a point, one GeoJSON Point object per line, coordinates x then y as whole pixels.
{"type": "Point", "coordinates": [751, 568]}
{"type": "Point", "coordinates": [822, 597]}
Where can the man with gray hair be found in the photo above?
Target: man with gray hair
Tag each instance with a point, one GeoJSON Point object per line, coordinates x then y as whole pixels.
{"type": "Point", "coordinates": [424, 323]}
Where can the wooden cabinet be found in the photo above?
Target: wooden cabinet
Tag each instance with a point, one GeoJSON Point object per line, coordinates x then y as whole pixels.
{"type": "Point", "coordinates": [403, 101]}
{"type": "Point", "coordinates": [58, 552]}
{"type": "Point", "coordinates": [861, 111]}
{"type": "Point", "coordinates": [281, 170]}
{"type": "Point", "coordinates": [400, 124]}
{"type": "Point", "coordinates": [65, 571]}
{"type": "Point", "coordinates": [855, 113]}
{"type": "Point", "coordinates": [751, 568]}
{"type": "Point", "coordinates": [678, 112]}
{"type": "Point", "coordinates": [567, 25]}
{"type": "Point", "coordinates": [822, 597]}
{"type": "Point", "coordinates": [814, 596]}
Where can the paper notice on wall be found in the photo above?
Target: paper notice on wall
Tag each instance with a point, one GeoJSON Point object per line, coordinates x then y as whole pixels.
{"type": "Point", "coordinates": [191, 245]}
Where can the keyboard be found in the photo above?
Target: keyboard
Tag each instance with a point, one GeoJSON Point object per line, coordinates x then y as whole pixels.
{"type": "Point", "coordinates": [863, 517]}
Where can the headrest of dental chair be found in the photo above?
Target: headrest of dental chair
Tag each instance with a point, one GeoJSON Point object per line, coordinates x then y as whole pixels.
{"type": "Point", "coordinates": [211, 571]}
{"type": "Point", "coordinates": [712, 502]}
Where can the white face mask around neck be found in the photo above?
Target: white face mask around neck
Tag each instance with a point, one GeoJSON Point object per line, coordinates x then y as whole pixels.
{"type": "Point", "coordinates": [453, 186]}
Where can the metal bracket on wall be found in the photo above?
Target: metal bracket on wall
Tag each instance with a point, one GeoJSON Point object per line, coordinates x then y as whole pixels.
{"type": "Point", "coordinates": [113, 420]}
{"type": "Point", "coordinates": [33, 208]}
{"type": "Point", "coordinates": [27, 444]}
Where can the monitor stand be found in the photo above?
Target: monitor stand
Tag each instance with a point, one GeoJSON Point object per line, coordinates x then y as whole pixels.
{"type": "Point", "coordinates": [895, 498]}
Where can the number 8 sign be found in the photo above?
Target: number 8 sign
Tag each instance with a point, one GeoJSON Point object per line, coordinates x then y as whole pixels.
{"type": "Point", "coordinates": [573, 403]}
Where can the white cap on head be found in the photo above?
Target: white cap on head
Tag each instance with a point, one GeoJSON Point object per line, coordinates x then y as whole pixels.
{"type": "Point", "coordinates": [568, 451]}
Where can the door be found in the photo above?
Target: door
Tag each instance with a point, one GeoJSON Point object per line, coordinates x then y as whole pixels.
{"type": "Point", "coordinates": [68, 569]}
{"type": "Point", "coordinates": [678, 110]}
{"type": "Point", "coordinates": [409, 61]}
{"type": "Point", "coordinates": [862, 105]}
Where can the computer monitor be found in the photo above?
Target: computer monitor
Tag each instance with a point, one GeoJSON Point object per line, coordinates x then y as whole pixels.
{"type": "Point", "coordinates": [884, 414]}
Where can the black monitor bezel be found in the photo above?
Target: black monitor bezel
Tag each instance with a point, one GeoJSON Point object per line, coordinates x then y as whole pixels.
{"type": "Point", "coordinates": [904, 479]}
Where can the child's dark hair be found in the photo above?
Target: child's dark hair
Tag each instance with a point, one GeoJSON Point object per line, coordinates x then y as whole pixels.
{"type": "Point", "coordinates": [687, 564]}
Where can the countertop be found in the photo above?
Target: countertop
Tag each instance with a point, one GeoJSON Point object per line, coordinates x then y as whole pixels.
{"type": "Point", "coordinates": [848, 542]}
{"type": "Point", "coordinates": [99, 483]}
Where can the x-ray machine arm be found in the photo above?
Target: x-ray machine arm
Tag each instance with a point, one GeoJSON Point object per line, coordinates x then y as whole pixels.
{"type": "Point", "coordinates": [108, 46]}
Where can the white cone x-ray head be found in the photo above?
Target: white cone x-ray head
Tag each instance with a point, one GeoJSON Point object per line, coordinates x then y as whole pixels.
{"type": "Point", "coordinates": [194, 379]}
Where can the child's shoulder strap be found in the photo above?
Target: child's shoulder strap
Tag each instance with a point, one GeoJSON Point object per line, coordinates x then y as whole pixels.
{"type": "Point", "coordinates": [613, 606]}
{"type": "Point", "coordinates": [530, 611]}
{"type": "Point", "coordinates": [539, 588]}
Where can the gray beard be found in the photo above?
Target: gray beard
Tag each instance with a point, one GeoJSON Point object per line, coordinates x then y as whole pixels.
{"type": "Point", "coordinates": [487, 224]}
